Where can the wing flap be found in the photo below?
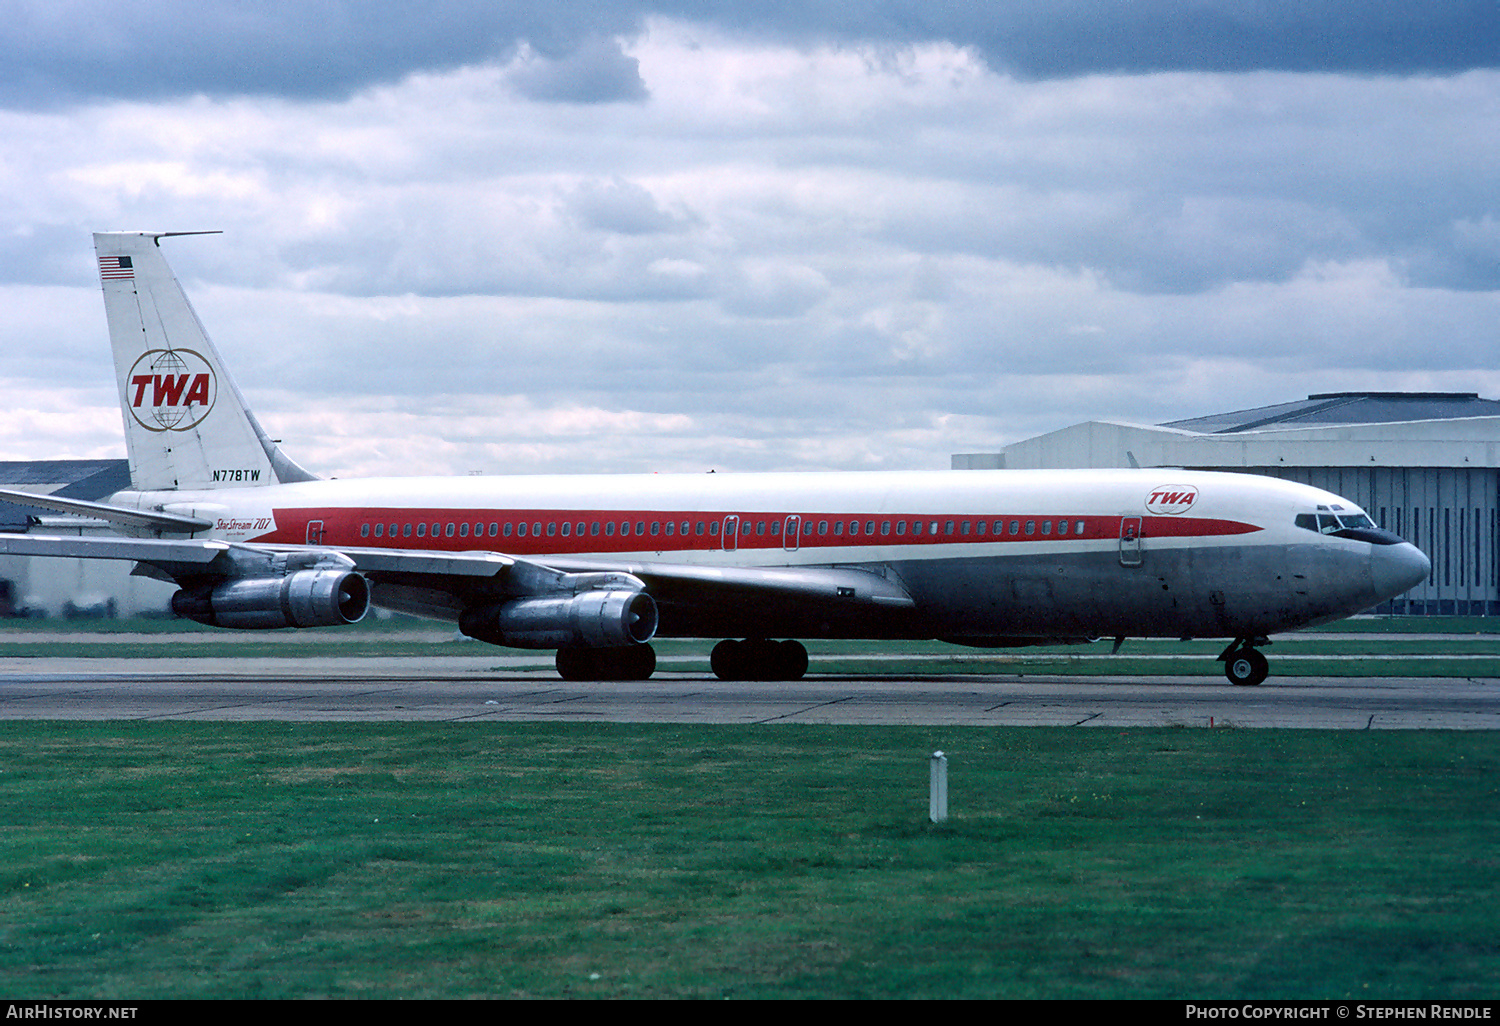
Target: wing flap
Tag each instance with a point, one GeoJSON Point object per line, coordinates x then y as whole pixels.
{"type": "Point", "coordinates": [842, 586]}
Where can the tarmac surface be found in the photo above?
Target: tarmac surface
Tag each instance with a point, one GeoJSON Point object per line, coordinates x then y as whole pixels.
{"type": "Point", "coordinates": [474, 688]}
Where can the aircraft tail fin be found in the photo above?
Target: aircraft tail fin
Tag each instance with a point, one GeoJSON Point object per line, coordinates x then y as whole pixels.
{"type": "Point", "coordinates": [187, 425]}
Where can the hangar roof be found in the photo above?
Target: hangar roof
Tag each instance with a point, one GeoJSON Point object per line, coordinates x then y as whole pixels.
{"type": "Point", "coordinates": [1333, 429]}
{"type": "Point", "coordinates": [1346, 408]}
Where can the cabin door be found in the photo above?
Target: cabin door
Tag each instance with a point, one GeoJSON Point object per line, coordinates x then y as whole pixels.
{"type": "Point", "coordinates": [1130, 541]}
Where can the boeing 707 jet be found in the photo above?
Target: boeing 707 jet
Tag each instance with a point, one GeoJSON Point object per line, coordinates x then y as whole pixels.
{"type": "Point", "coordinates": [595, 567]}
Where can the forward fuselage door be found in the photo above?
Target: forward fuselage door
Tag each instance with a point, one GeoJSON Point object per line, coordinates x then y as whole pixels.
{"type": "Point", "coordinates": [1130, 541]}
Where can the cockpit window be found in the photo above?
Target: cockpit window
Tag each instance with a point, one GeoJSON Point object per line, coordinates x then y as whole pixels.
{"type": "Point", "coordinates": [1328, 523]}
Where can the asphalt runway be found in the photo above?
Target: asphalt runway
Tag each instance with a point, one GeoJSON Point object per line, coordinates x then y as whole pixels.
{"type": "Point", "coordinates": [456, 689]}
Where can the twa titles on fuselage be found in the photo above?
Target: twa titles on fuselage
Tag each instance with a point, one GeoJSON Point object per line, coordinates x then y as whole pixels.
{"type": "Point", "coordinates": [595, 567]}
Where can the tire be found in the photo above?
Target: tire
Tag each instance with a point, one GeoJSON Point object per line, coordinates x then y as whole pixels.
{"type": "Point", "coordinates": [1246, 667]}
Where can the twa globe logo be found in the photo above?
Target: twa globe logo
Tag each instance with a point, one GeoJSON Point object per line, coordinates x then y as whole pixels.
{"type": "Point", "coordinates": [170, 390]}
{"type": "Point", "coordinates": [1171, 500]}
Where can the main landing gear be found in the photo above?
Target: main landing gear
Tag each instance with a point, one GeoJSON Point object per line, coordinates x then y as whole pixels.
{"type": "Point", "coordinates": [1243, 663]}
{"type": "Point", "coordinates": [635, 662]}
{"type": "Point", "coordinates": [752, 659]}
{"type": "Point", "coordinates": [759, 659]}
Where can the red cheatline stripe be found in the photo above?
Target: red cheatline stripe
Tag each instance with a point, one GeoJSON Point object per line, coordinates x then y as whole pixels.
{"type": "Point", "coordinates": [632, 529]}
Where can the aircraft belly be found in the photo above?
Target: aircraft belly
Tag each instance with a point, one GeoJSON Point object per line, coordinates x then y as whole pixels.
{"type": "Point", "coordinates": [1221, 591]}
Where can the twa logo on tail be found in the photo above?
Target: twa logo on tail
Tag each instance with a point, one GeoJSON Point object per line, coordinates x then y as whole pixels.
{"type": "Point", "coordinates": [1170, 500]}
{"type": "Point", "coordinates": [170, 390]}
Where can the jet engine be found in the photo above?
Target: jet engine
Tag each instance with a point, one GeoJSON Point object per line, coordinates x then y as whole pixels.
{"type": "Point", "coordinates": [610, 618]}
{"type": "Point", "coordinates": [306, 598]}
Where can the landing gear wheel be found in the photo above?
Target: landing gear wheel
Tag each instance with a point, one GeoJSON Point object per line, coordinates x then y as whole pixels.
{"type": "Point", "coordinates": [637, 662]}
{"type": "Point", "coordinates": [758, 659]}
{"type": "Point", "coordinates": [1246, 667]}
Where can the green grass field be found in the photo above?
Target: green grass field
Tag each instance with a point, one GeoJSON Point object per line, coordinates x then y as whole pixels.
{"type": "Point", "coordinates": [152, 860]}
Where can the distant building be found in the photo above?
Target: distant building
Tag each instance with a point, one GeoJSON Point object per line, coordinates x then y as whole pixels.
{"type": "Point", "coordinates": [1425, 465]}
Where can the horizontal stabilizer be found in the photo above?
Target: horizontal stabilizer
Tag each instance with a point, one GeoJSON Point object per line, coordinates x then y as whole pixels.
{"type": "Point", "coordinates": [173, 522]}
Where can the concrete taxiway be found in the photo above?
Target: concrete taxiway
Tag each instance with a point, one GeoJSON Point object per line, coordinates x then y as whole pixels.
{"type": "Point", "coordinates": [475, 689]}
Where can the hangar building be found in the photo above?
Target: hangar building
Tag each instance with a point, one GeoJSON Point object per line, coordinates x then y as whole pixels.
{"type": "Point", "coordinates": [1425, 465]}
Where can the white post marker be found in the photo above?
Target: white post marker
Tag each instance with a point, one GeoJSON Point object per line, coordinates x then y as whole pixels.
{"type": "Point", "coordinates": [937, 799]}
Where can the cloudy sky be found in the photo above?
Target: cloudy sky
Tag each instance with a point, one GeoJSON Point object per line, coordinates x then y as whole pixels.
{"type": "Point", "coordinates": [680, 234]}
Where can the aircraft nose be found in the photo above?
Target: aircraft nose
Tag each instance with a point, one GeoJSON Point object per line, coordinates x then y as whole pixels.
{"type": "Point", "coordinates": [1397, 568]}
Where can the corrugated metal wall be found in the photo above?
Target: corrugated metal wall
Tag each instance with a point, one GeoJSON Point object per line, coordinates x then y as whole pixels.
{"type": "Point", "coordinates": [1451, 514]}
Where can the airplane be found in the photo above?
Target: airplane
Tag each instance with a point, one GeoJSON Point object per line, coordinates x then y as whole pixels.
{"type": "Point", "coordinates": [598, 566]}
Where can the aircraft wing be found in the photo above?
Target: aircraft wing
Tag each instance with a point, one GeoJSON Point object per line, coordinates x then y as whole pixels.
{"type": "Point", "coordinates": [694, 600]}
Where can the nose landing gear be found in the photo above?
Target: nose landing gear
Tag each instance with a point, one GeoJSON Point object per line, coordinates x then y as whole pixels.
{"type": "Point", "coordinates": [1243, 663]}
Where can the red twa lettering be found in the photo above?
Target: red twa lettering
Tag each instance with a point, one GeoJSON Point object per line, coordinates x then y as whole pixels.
{"type": "Point", "coordinates": [198, 391]}
{"type": "Point", "coordinates": [167, 389]}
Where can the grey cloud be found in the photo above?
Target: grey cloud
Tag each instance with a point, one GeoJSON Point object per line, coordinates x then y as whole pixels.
{"type": "Point", "coordinates": [621, 206]}
{"type": "Point", "coordinates": [595, 72]}
{"type": "Point", "coordinates": [64, 51]}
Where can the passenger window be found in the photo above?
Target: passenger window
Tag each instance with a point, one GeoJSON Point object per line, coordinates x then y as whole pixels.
{"type": "Point", "coordinates": [364, 530]}
{"type": "Point", "coordinates": [521, 529]}
{"type": "Point", "coordinates": [463, 530]}
{"type": "Point", "coordinates": [609, 529]}
{"type": "Point", "coordinates": [421, 530]}
{"type": "Point", "coordinates": [1031, 527]}
{"type": "Point", "coordinates": [885, 527]}
{"type": "Point", "coordinates": [567, 528]}
{"type": "Point", "coordinates": [406, 531]}
{"type": "Point", "coordinates": [1015, 527]}
{"type": "Point", "coordinates": [594, 529]}
{"type": "Point", "coordinates": [655, 528]}
{"type": "Point", "coordinates": [1046, 527]}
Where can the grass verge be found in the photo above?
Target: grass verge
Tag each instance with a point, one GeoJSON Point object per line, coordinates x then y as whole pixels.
{"type": "Point", "coordinates": [537, 860]}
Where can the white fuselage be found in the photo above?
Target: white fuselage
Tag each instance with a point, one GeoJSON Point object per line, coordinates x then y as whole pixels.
{"type": "Point", "coordinates": [983, 554]}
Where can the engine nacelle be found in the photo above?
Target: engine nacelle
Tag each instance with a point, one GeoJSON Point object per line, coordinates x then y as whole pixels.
{"type": "Point", "coordinates": [307, 598]}
{"type": "Point", "coordinates": [611, 618]}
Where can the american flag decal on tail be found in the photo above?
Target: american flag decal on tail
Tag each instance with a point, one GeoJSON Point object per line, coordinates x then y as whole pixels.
{"type": "Point", "coordinates": [115, 268]}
